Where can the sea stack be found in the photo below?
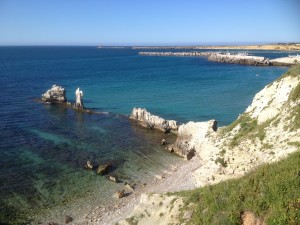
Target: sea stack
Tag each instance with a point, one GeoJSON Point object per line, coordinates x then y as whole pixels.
{"type": "Point", "coordinates": [57, 94]}
{"type": "Point", "coordinates": [79, 101]}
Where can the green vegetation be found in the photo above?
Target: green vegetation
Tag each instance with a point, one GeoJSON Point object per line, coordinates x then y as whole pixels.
{"type": "Point", "coordinates": [271, 192]}
{"type": "Point", "coordinates": [248, 128]}
{"type": "Point", "coordinates": [132, 220]}
{"type": "Point", "coordinates": [221, 161]}
{"type": "Point", "coordinates": [294, 71]}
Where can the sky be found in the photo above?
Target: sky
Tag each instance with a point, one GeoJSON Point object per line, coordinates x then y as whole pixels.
{"type": "Point", "coordinates": [152, 22]}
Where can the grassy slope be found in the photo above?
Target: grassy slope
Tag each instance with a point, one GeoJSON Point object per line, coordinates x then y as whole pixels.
{"type": "Point", "coordinates": [271, 191]}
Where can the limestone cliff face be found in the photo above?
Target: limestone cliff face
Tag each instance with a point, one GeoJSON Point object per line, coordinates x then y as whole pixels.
{"type": "Point", "coordinates": [266, 132]}
{"type": "Point", "coordinates": [146, 119]}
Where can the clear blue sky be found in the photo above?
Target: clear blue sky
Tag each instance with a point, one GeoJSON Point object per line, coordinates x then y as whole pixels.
{"type": "Point", "coordinates": [152, 22]}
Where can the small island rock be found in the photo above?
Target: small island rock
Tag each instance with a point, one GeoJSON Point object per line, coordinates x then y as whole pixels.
{"type": "Point", "coordinates": [57, 94]}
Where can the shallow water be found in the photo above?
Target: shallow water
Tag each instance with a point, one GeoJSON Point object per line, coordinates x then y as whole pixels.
{"type": "Point", "coordinates": [43, 147]}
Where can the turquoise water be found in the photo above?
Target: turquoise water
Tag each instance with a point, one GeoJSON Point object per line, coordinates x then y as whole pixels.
{"type": "Point", "coordinates": [43, 148]}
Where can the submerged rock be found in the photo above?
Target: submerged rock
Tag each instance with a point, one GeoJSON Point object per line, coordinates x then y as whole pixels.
{"type": "Point", "coordinates": [89, 165]}
{"type": "Point", "coordinates": [103, 169]}
{"type": "Point", "coordinates": [148, 120]}
{"type": "Point", "coordinates": [57, 94]}
{"type": "Point", "coordinates": [114, 179]}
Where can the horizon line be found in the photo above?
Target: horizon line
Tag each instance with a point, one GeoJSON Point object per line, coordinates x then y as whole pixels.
{"type": "Point", "coordinates": [153, 45]}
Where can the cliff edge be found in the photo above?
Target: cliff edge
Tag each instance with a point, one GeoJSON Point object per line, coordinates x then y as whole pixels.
{"type": "Point", "coordinates": [267, 132]}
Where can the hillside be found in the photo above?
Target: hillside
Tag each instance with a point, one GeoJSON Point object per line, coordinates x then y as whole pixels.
{"type": "Point", "coordinates": [260, 150]}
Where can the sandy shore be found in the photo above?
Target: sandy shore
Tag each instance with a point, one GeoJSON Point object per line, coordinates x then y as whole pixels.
{"type": "Point", "coordinates": [176, 178]}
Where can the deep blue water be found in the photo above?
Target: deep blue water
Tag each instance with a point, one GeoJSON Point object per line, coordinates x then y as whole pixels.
{"type": "Point", "coordinates": [43, 148]}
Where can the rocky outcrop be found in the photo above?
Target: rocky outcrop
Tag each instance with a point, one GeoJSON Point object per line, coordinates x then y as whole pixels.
{"type": "Point", "coordinates": [148, 120]}
{"type": "Point", "coordinates": [57, 94]}
{"type": "Point", "coordinates": [239, 59]}
{"type": "Point", "coordinates": [79, 100]}
{"type": "Point", "coordinates": [191, 138]}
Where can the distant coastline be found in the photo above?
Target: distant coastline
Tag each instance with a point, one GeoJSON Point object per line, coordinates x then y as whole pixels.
{"type": "Point", "coordinates": [273, 47]}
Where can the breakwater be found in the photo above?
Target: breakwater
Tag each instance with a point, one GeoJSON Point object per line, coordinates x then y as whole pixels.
{"type": "Point", "coordinates": [233, 58]}
{"type": "Point", "coordinates": [240, 59]}
{"type": "Point", "coordinates": [176, 53]}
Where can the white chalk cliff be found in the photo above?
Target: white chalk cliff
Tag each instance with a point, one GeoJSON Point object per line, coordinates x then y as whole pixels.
{"type": "Point", "coordinates": [268, 131]}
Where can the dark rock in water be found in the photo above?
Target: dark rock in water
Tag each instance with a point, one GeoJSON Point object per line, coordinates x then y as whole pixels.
{"type": "Point", "coordinates": [68, 219]}
{"type": "Point", "coordinates": [148, 120]}
{"type": "Point", "coordinates": [57, 94]}
{"type": "Point", "coordinates": [119, 194]}
{"type": "Point", "coordinates": [103, 169]}
{"type": "Point", "coordinates": [89, 165]}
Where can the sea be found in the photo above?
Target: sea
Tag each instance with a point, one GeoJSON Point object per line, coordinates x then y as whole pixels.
{"type": "Point", "coordinates": [43, 148]}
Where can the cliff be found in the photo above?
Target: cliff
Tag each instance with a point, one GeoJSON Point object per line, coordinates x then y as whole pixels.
{"type": "Point", "coordinates": [267, 132]}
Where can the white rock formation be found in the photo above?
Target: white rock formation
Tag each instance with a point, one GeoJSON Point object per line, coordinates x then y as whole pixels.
{"type": "Point", "coordinates": [272, 116]}
{"type": "Point", "coordinates": [57, 94]}
{"type": "Point", "coordinates": [269, 102]}
{"type": "Point", "coordinates": [146, 119]}
{"type": "Point", "coordinates": [268, 131]}
{"type": "Point", "coordinates": [191, 138]}
{"type": "Point", "coordinates": [79, 101]}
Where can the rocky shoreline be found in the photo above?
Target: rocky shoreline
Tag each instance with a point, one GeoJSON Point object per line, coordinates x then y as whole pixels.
{"type": "Point", "coordinates": [266, 132]}
{"type": "Point", "coordinates": [239, 58]}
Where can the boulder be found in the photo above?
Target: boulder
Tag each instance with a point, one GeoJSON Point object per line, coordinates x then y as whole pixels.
{"type": "Point", "coordinates": [119, 194]}
{"type": "Point", "coordinates": [103, 169]}
{"type": "Point", "coordinates": [130, 187]}
{"type": "Point", "coordinates": [57, 94]}
{"type": "Point", "coordinates": [114, 179]}
{"type": "Point", "coordinates": [68, 219]}
{"type": "Point", "coordinates": [148, 120]}
{"type": "Point", "coordinates": [89, 165]}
